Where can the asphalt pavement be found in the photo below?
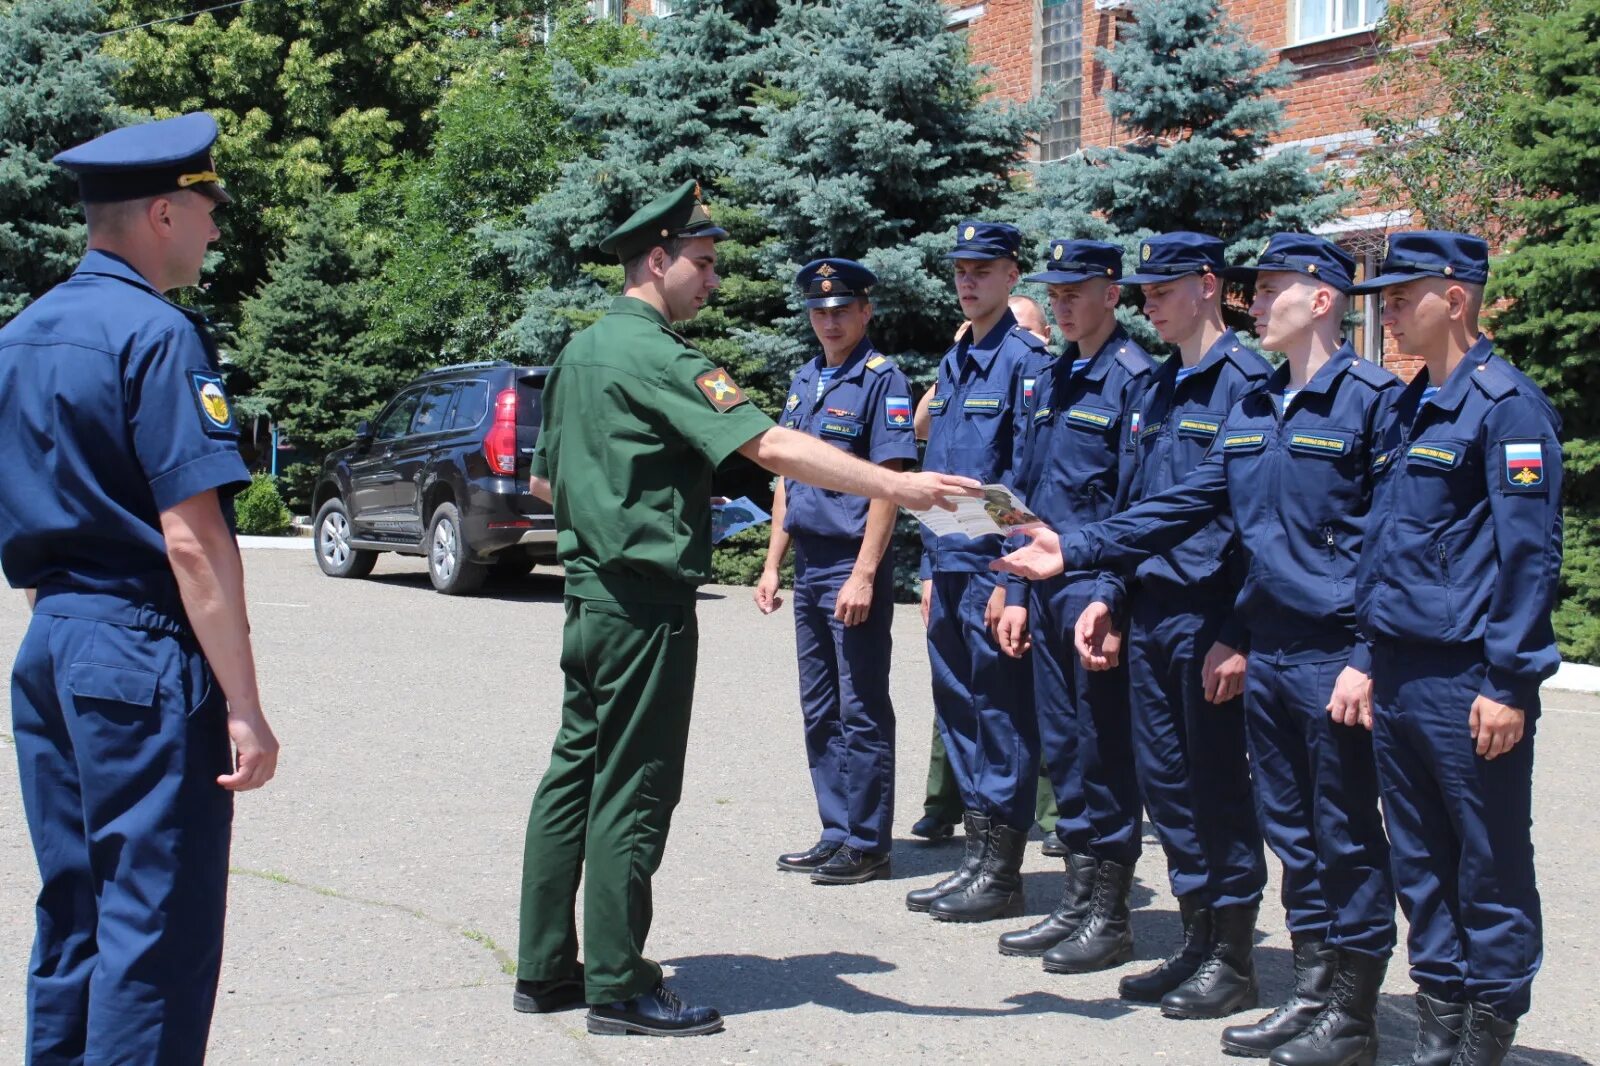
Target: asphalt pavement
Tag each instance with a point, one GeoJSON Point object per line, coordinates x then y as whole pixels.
{"type": "Point", "coordinates": [373, 907]}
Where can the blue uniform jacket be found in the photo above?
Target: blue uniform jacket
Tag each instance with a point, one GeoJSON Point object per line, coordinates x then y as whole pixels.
{"type": "Point", "coordinates": [112, 410]}
{"type": "Point", "coordinates": [866, 411]}
{"type": "Point", "coordinates": [1078, 455]}
{"type": "Point", "coordinates": [978, 419]}
{"type": "Point", "coordinates": [1464, 543]}
{"type": "Point", "coordinates": [1299, 488]}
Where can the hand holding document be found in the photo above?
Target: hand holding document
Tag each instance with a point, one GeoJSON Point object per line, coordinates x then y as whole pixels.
{"type": "Point", "coordinates": [996, 512]}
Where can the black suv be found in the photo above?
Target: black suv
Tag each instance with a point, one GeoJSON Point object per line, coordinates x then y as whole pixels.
{"type": "Point", "coordinates": [442, 472]}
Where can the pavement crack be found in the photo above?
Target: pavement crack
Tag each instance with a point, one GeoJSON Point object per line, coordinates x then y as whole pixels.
{"type": "Point", "coordinates": [508, 965]}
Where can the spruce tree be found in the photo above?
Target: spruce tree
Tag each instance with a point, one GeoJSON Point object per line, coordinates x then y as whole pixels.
{"type": "Point", "coordinates": [305, 339]}
{"type": "Point", "coordinates": [55, 92]}
{"type": "Point", "coordinates": [1197, 96]}
{"type": "Point", "coordinates": [1550, 327]}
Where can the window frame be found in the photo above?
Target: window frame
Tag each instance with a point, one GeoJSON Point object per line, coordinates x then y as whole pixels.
{"type": "Point", "coordinates": [394, 405]}
{"type": "Point", "coordinates": [446, 410]}
{"type": "Point", "coordinates": [1334, 8]}
{"type": "Point", "coordinates": [1072, 10]}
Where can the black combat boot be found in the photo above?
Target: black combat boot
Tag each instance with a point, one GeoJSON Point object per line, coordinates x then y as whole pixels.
{"type": "Point", "coordinates": [1226, 982]}
{"type": "Point", "coordinates": [1103, 939]}
{"type": "Point", "coordinates": [997, 890]}
{"type": "Point", "coordinates": [1314, 966]}
{"type": "Point", "coordinates": [1439, 1025]}
{"type": "Point", "coordinates": [1346, 1032]}
{"type": "Point", "coordinates": [1485, 1038]}
{"type": "Point", "coordinates": [1056, 926]}
{"type": "Point", "coordinates": [1152, 985]}
{"type": "Point", "coordinates": [977, 829]}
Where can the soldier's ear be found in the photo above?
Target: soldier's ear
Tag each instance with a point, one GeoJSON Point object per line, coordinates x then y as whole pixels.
{"type": "Point", "coordinates": [1113, 295]}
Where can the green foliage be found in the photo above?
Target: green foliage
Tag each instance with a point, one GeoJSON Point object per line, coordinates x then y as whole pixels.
{"type": "Point", "coordinates": [1437, 148]}
{"type": "Point", "coordinates": [1197, 98]}
{"type": "Point", "coordinates": [305, 338]}
{"type": "Point", "coordinates": [260, 510]}
{"type": "Point", "coordinates": [55, 92]}
{"type": "Point", "coordinates": [1549, 136]}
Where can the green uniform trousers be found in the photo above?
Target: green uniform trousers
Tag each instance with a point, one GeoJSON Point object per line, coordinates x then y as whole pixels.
{"type": "Point", "coordinates": [606, 801]}
{"type": "Point", "coordinates": [944, 798]}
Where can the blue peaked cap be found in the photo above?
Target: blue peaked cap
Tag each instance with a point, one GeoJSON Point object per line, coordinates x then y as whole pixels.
{"type": "Point", "coordinates": [1070, 262]}
{"type": "Point", "coordinates": [1301, 253]}
{"type": "Point", "coordinates": [147, 160]}
{"type": "Point", "coordinates": [1416, 254]}
{"type": "Point", "coordinates": [1177, 255]}
{"type": "Point", "coordinates": [833, 282]}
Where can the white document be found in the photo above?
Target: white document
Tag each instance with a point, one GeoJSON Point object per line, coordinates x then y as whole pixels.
{"type": "Point", "coordinates": [999, 512]}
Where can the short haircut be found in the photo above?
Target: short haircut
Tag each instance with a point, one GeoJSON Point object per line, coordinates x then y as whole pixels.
{"type": "Point", "coordinates": [113, 218]}
{"type": "Point", "coordinates": [631, 269]}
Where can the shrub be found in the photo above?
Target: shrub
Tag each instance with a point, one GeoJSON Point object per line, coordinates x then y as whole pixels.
{"type": "Point", "coordinates": [260, 510]}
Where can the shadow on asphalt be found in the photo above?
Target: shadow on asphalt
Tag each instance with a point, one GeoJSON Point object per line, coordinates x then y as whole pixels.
{"type": "Point", "coordinates": [528, 588]}
{"type": "Point", "coordinates": [749, 984]}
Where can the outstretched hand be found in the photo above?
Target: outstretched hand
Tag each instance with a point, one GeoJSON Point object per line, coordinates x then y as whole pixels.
{"type": "Point", "coordinates": [1037, 560]}
{"type": "Point", "coordinates": [925, 490]}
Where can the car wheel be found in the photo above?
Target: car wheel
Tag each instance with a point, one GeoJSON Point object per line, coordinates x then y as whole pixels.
{"type": "Point", "coordinates": [513, 562]}
{"type": "Point", "coordinates": [450, 564]}
{"type": "Point", "coordinates": [331, 534]}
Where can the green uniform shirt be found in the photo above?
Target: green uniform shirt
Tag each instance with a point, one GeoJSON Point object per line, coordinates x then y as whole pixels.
{"type": "Point", "coordinates": [635, 422]}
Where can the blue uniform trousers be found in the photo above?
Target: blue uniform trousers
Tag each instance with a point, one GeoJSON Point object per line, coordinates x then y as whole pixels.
{"type": "Point", "coordinates": [121, 733]}
{"type": "Point", "coordinates": [1085, 732]}
{"type": "Point", "coordinates": [844, 695]}
{"type": "Point", "coordinates": [1193, 770]}
{"type": "Point", "coordinates": [983, 701]}
{"type": "Point", "coordinates": [1459, 828]}
{"type": "Point", "coordinates": [1317, 799]}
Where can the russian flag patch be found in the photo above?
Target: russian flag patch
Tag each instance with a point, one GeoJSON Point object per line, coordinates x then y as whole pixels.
{"type": "Point", "coordinates": [897, 411]}
{"type": "Point", "coordinates": [1524, 465]}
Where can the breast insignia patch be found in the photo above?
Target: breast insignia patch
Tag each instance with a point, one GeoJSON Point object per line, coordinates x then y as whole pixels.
{"type": "Point", "coordinates": [717, 387]}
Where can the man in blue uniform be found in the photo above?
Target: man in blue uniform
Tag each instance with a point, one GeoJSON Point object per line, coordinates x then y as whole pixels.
{"type": "Point", "coordinates": [978, 414]}
{"type": "Point", "coordinates": [1075, 470]}
{"type": "Point", "coordinates": [857, 400]}
{"type": "Point", "coordinates": [121, 455]}
{"type": "Point", "coordinates": [1455, 592]}
{"type": "Point", "coordinates": [1292, 465]}
{"type": "Point", "coordinates": [1186, 648]}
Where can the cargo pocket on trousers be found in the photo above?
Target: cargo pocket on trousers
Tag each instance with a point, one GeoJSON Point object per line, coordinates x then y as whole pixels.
{"type": "Point", "coordinates": [115, 692]}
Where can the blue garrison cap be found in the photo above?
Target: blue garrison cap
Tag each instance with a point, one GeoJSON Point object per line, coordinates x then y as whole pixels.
{"type": "Point", "coordinates": [1418, 254]}
{"type": "Point", "coordinates": [833, 282]}
{"type": "Point", "coordinates": [1177, 255]}
{"type": "Point", "coordinates": [1073, 261]}
{"type": "Point", "coordinates": [986, 240]}
{"type": "Point", "coordinates": [147, 160]}
{"type": "Point", "coordinates": [1301, 253]}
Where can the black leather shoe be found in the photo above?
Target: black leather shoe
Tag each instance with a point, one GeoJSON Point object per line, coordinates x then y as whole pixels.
{"type": "Point", "coordinates": [1152, 985]}
{"type": "Point", "coordinates": [1052, 846]}
{"type": "Point", "coordinates": [1314, 966]}
{"type": "Point", "coordinates": [1225, 983]}
{"type": "Point", "coordinates": [805, 862]}
{"type": "Point", "coordinates": [1486, 1038]}
{"type": "Point", "coordinates": [1439, 1026]}
{"type": "Point", "coordinates": [977, 830]}
{"type": "Point", "coordinates": [548, 997]}
{"type": "Point", "coordinates": [1056, 926]}
{"type": "Point", "coordinates": [658, 1012]}
{"type": "Point", "coordinates": [996, 892]}
{"type": "Point", "coordinates": [932, 828]}
{"type": "Point", "coordinates": [851, 867]}
{"type": "Point", "coordinates": [1345, 1033]}
{"type": "Point", "coordinates": [1104, 938]}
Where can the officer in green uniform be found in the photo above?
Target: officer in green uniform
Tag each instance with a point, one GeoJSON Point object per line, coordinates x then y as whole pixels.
{"type": "Point", "coordinates": [635, 422]}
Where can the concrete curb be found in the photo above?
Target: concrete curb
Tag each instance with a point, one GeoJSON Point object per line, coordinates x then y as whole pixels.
{"type": "Point", "coordinates": [1575, 677]}
{"type": "Point", "coordinates": [291, 543]}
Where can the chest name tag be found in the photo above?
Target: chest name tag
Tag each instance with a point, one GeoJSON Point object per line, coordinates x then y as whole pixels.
{"type": "Point", "coordinates": [1243, 441]}
{"type": "Point", "coordinates": [936, 405]}
{"type": "Point", "coordinates": [982, 404]}
{"type": "Point", "coordinates": [849, 430]}
{"type": "Point", "coordinates": [1381, 461]}
{"type": "Point", "coordinates": [1318, 445]}
{"type": "Point", "coordinates": [1434, 455]}
{"type": "Point", "coordinates": [1151, 430]}
{"type": "Point", "coordinates": [1197, 427]}
{"type": "Point", "coordinates": [1087, 417]}
{"type": "Point", "coordinates": [1043, 414]}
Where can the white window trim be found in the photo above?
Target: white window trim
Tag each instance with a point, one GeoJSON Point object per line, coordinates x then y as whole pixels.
{"type": "Point", "coordinates": [963, 16]}
{"type": "Point", "coordinates": [1296, 41]}
{"type": "Point", "coordinates": [657, 6]}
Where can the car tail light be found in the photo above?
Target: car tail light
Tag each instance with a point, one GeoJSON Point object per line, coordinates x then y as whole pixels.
{"type": "Point", "coordinates": [500, 443]}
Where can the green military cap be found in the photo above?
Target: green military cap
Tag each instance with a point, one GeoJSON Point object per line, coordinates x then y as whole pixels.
{"type": "Point", "coordinates": [678, 214]}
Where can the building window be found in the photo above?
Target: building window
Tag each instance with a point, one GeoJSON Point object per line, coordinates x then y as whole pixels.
{"type": "Point", "coordinates": [1061, 76]}
{"type": "Point", "coordinates": [662, 8]}
{"type": "Point", "coordinates": [610, 10]}
{"type": "Point", "coordinates": [1313, 20]}
{"type": "Point", "coordinates": [961, 18]}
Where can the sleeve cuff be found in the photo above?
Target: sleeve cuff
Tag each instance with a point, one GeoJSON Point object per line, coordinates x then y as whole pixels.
{"type": "Point", "coordinates": [1233, 634]}
{"type": "Point", "coordinates": [1016, 591]}
{"type": "Point", "coordinates": [746, 424]}
{"type": "Point", "coordinates": [1513, 690]}
{"type": "Point", "coordinates": [1361, 658]}
{"type": "Point", "coordinates": [906, 452]}
{"type": "Point", "coordinates": [925, 568]}
{"type": "Point", "coordinates": [214, 470]}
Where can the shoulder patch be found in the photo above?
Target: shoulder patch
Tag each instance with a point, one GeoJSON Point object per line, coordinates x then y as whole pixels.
{"type": "Point", "coordinates": [1524, 465]}
{"type": "Point", "coordinates": [897, 411]}
{"type": "Point", "coordinates": [719, 389]}
{"type": "Point", "coordinates": [1493, 380]}
{"type": "Point", "coordinates": [216, 413]}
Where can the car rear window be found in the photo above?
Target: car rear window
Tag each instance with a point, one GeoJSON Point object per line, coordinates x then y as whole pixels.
{"type": "Point", "coordinates": [530, 401]}
{"type": "Point", "coordinates": [472, 405]}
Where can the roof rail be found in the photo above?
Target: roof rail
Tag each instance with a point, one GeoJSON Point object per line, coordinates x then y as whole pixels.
{"type": "Point", "coordinates": [454, 368]}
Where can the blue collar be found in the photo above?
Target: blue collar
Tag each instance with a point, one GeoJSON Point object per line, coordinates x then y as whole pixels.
{"type": "Point", "coordinates": [1342, 359]}
{"type": "Point", "coordinates": [1100, 362]}
{"type": "Point", "coordinates": [983, 351]}
{"type": "Point", "coordinates": [1453, 389]}
{"type": "Point", "coordinates": [98, 262]}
